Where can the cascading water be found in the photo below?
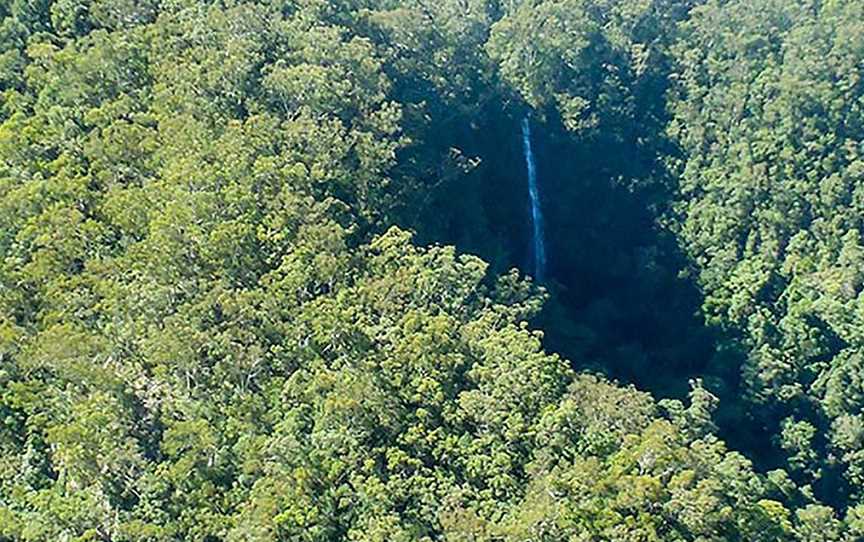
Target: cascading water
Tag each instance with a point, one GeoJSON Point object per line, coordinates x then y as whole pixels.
{"type": "Point", "coordinates": [538, 240]}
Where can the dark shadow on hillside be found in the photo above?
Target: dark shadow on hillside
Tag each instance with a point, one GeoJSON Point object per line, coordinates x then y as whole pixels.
{"type": "Point", "coordinates": [621, 302]}
{"type": "Point", "coordinates": [481, 208]}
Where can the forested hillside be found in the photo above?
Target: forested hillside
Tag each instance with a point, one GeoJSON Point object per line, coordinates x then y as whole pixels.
{"type": "Point", "coordinates": [267, 270]}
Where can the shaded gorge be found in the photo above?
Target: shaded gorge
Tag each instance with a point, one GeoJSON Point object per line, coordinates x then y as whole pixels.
{"type": "Point", "coordinates": [623, 301]}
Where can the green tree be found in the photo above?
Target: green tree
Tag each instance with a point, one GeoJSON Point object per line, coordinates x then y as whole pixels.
{"type": "Point", "coordinates": [766, 112]}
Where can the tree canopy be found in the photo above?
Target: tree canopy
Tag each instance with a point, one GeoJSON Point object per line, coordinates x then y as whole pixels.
{"type": "Point", "coordinates": [259, 271]}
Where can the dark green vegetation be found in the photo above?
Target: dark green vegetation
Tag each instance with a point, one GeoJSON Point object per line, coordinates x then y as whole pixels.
{"type": "Point", "coordinates": [214, 325]}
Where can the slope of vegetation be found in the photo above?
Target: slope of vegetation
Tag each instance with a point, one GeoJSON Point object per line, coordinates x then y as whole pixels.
{"type": "Point", "coordinates": [239, 299]}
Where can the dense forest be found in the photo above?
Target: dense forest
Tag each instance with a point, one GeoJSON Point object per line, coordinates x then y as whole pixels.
{"type": "Point", "coordinates": [269, 270]}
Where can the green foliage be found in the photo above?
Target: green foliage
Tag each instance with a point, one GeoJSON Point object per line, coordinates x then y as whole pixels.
{"type": "Point", "coordinates": [588, 60]}
{"type": "Point", "coordinates": [213, 327]}
{"type": "Point", "coordinates": [768, 112]}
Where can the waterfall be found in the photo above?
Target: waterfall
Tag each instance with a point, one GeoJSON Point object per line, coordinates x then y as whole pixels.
{"type": "Point", "coordinates": [538, 241]}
